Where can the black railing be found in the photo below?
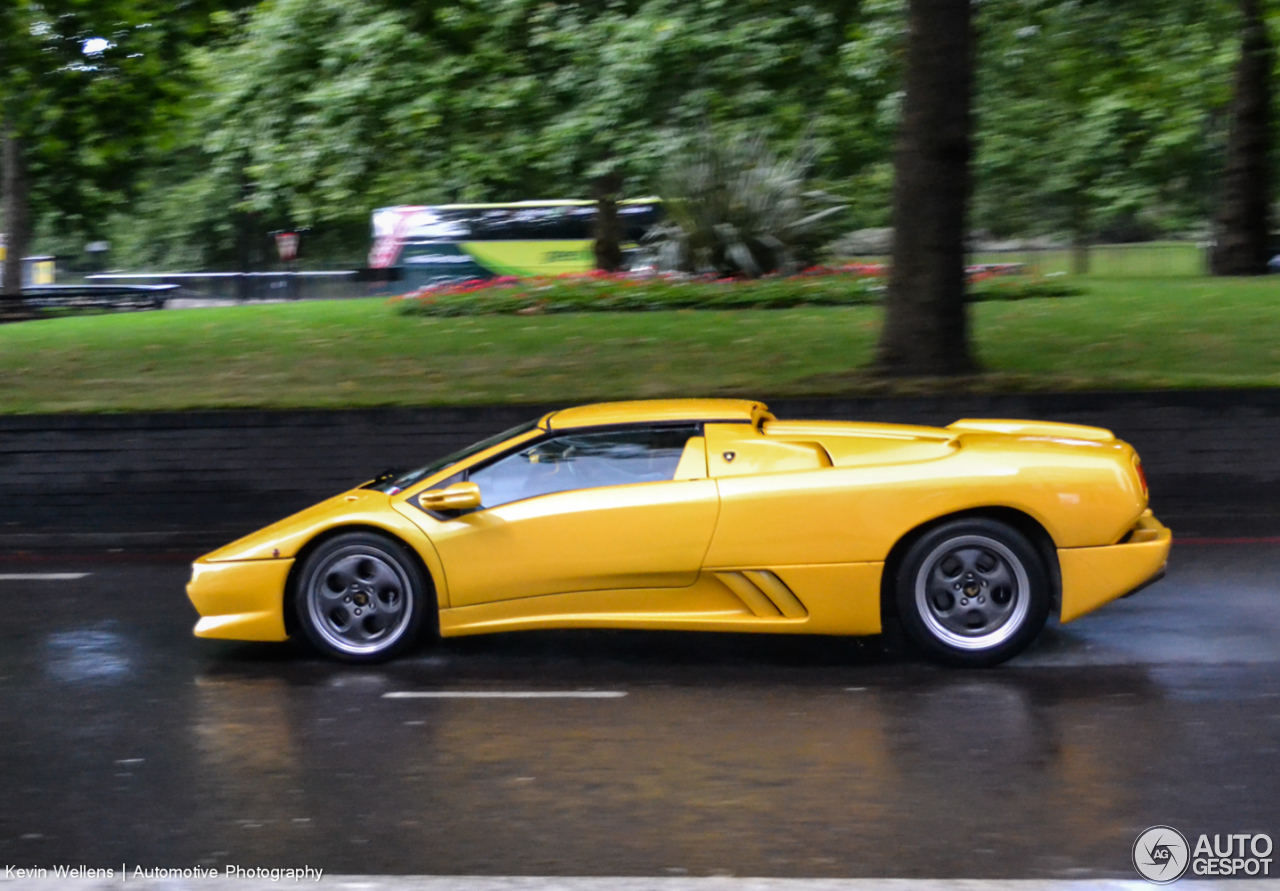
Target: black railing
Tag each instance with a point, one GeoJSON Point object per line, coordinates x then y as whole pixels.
{"type": "Point", "coordinates": [255, 285]}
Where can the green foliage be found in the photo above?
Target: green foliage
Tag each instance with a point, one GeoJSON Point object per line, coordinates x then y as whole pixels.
{"type": "Point", "coordinates": [1101, 117]}
{"type": "Point", "coordinates": [857, 119]}
{"type": "Point", "coordinates": [627, 81]}
{"type": "Point", "coordinates": [1022, 289]}
{"type": "Point", "coordinates": [317, 111]}
{"type": "Point", "coordinates": [1094, 118]}
{"type": "Point", "coordinates": [87, 84]}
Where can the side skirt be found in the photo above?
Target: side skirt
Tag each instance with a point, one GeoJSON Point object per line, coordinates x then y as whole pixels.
{"type": "Point", "coordinates": [827, 599]}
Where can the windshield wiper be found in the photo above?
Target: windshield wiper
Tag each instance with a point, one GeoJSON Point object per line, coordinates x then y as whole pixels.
{"type": "Point", "coordinates": [386, 476]}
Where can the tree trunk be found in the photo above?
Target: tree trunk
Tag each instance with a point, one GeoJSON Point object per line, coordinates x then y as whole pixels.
{"type": "Point", "coordinates": [926, 328]}
{"type": "Point", "coordinates": [608, 244]}
{"type": "Point", "coordinates": [1244, 224]}
{"type": "Point", "coordinates": [1079, 255]}
{"type": "Point", "coordinates": [1080, 234]}
{"type": "Point", "coordinates": [249, 236]}
{"type": "Point", "coordinates": [17, 217]}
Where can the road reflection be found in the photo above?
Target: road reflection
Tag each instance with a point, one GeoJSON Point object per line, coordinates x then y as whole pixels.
{"type": "Point", "coordinates": [122, 736]}
{"type": "Point", "coordinates": [911, 765]}
{"type": "Point", "coordinates": [99, 653]}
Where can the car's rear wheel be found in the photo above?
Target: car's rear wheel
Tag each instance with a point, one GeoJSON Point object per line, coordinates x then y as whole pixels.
{"type": "Point", "coordinates": [361, 597]}
{"type": "Point", "coordinates": [972, 592]}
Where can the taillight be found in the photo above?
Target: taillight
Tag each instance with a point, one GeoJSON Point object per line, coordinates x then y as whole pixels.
{"type": "Point", "coordinates": [1142, 475]}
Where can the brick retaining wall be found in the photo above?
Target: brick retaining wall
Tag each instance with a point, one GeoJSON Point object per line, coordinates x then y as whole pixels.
{"type": "Point", "coordinates": [188, 479]}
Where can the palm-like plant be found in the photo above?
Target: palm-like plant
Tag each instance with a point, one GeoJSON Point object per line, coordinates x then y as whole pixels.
{"type": "Point", "coordinates": [734, 207]}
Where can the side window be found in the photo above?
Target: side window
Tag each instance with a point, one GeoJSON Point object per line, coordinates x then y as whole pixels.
{"type": "Point", "coordinates": [584, 461]}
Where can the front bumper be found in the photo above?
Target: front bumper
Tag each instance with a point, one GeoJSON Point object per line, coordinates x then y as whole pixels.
{"type": "Point", "coordinates": [1092, 577]}
{"type": "Point", "coordinates": [240, 600]}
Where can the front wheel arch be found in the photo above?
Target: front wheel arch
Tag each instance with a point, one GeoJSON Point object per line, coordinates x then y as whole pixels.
{"type": "Point", "coordinates": [289, 603]}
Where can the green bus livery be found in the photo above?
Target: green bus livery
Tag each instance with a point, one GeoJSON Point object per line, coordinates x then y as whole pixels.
{"type": "Point", "coordinates": [433, 245]}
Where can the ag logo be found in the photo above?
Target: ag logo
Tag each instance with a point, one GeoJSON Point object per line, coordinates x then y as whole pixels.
{"type": "Point", "coordinates": [1161, 855]}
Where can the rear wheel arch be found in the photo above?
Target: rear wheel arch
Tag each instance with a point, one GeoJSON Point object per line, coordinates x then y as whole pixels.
{"type": "Point", "coordinates": [289, 604]}
{"type": "Point", "coordinates": [1019, 520]}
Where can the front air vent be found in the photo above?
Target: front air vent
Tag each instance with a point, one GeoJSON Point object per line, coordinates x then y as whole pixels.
{"type": "Point", "coordinates": [764, 594]}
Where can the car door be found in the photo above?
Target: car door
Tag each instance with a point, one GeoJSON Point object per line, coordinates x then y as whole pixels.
{"type": "Point", "coordinates": [582, 511]}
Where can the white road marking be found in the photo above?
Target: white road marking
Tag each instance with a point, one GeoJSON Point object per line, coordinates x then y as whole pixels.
{"type": "Point", "coordinates": [42, 576]}
{"type": "Point", "coordinates": [505, 694]}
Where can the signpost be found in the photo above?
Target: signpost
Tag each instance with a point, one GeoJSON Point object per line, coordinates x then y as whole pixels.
{"type": "Point", "coordinates": [287, 241]}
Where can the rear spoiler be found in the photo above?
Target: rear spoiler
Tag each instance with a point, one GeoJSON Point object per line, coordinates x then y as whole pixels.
{"type": "Point", "coordinates": [1033, 428]}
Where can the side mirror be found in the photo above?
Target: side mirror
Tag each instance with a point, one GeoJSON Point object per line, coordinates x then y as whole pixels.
{"type": "Point", "coordinates": [459, 496]}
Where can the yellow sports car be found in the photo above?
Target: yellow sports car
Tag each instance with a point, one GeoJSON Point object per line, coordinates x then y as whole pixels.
{"type": "Point", "coordinates": [707, 515]}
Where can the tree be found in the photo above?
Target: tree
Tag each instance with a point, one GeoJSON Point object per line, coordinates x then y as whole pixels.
{"type": "Point", "coordinates": [15, 51]}
{"type": "Point", "coordinates": [1244, 217]}
{"type": "Point", "coordinates": [1100, 118]}
{"type": "Point", "coordinates": [15, 209]}
{"type": "Point", "coordinates": [328, 108]}
{"type": "Point", "coordinates": [628, 84]}
{"type": "Point", "coordinates": [81, 82]}
{"type": "Point", "coordinates": [926, 328]}
{"type": "Point", "coordinates": [1095, 118]}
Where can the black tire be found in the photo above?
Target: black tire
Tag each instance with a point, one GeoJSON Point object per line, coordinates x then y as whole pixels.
{"type": "Point", "coordinates": [362, 598]}
{"type": "Point", "coordinates": [972, 593]}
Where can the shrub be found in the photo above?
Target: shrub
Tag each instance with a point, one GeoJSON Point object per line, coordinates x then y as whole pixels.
{"type": "Point", "coordinates": [604, 292]}
{"type": "Point", "coordinates": [734, 207]}
{"type": "Point", "coordinates": [1021, 289]}
{"type": "Point", "coordinates": [852, 285]}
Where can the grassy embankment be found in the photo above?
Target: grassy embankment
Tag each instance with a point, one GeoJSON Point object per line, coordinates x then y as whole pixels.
{"type": "Point", "coordinates": [1134, 333]}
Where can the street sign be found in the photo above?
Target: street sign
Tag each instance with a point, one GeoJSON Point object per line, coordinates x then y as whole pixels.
{"type": "Point", "coordinates": [287, 245]}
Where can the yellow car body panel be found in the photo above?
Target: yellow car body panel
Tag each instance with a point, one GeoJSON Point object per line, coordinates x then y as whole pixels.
{"type": "Point", "coordinates": [657, 410]}
{"type": "Point", "coordinates": [647, 535]}
{"type": "Point", "coordinates": [1084, 496]}
{"type": "Point", "coordinates": [1052, 430]}
{"type": "Point", "coordinates": [1092, 577]}
{"type": "Point", "coordinates": [834, 599]}
{"type": "Point", "coordinates": [240, 600]}
{"type": "Point", "coordinates": [359, 508]}
{"type": "Point", "coordinates": [768, 525]}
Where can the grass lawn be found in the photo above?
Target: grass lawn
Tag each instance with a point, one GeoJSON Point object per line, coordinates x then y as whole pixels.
{"type": "Point", "coordinates": [1125, 333]}
{"type": "Point", "coordinates": [1153, 259]}
{"type": "Point", "coordinates": [1150, 260]}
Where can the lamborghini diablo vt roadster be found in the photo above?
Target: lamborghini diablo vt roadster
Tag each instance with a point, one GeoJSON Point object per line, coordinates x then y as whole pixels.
{"type": "Point", "coordinates": [709, 515]}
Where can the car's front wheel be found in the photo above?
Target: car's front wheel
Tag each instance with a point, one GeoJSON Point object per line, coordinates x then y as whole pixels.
{"type": "Point", "coordinates": [972, 592]}
{"type": "Point", "coordinates": [361, 597]}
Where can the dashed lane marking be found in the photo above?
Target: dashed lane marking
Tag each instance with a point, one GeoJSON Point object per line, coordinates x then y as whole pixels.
{"type": "Point", "coordinates": [42, 576]}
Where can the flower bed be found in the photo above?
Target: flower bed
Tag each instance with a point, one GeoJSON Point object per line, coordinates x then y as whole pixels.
{"type": "Point", "coordinates": [852, 285]}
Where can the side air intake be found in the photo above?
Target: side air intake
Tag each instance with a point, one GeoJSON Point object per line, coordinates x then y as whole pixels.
{"type": "Point", "coordinates": [764, 594]}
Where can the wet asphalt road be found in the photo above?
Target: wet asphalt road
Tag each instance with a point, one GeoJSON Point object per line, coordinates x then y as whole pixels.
{"type": "Point", "coordinates": [124, 739]}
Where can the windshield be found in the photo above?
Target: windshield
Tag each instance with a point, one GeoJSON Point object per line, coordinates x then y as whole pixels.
{"type": "Point", "coordinates": [394, 484]}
